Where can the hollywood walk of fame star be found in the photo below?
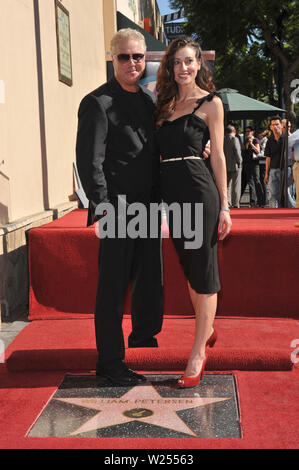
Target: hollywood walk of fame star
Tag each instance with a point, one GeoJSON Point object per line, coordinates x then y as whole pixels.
{"type": "Point", "coordinates": [142, 403]}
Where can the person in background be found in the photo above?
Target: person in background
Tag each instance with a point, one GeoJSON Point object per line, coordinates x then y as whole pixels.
{"type": "Point", "coordinates": [236, 133]}
{"type": "Point", "coordinates": [291, 184]}
{"type": "Point", "coordinates": [250, 171]}
{"type": "Point", "coordinates": [294, 142]}
{"type": "Point", "coordinates": [232, 152]}
{"type": "Point", "coordinates": [275, 165]}
{"type": "Point", "coordinates": [262, 138]}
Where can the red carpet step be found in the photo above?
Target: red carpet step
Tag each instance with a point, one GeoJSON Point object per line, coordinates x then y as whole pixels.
{"type": "Point", "coordinates": [243, 344]}
{"type": "Point", "coordinates": [258, 265]}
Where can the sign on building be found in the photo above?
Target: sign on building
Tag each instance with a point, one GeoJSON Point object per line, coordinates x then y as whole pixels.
{"type": "Point", "coordinates": [173, 30]}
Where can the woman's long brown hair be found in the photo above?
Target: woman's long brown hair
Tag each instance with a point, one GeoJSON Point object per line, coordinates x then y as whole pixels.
{"type": "Point", "coordinates": [167, 89]}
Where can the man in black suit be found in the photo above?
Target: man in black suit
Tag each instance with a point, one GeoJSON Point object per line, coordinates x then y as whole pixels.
{"type": "Point", "coordinates": [116, 156]}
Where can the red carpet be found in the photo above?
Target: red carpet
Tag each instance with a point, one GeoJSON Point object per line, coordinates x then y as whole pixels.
{"type": "Point", "coordinates": [243, 344]}
{"type": "Point", "coordinates": [269, 406]}
{"type": "Point", "coordinates": [258, 267]}
{"type": "Point", "coordinates": [257, 321]}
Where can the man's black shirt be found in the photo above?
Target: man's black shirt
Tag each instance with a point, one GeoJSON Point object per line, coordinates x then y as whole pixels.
{"type": "Point", "coordinates": [274, 151]}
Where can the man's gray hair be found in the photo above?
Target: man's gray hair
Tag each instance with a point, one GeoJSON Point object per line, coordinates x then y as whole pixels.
{"type": "Point", "coordinates": [229, 129]}
{"type": "Point", "coordinates": [124, 35]}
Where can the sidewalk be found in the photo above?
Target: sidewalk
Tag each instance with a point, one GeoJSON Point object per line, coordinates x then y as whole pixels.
{"type": "Point", "coordinates": [11, 327]}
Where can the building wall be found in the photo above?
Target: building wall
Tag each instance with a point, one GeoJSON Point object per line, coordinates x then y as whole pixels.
{"type": "Point", "coordinates": [38, 122]}
{"type": "Point", "coordinates": [19, 122]}
{"type": "Point", "coordinates": [110, 23]}
{"type": "Point", "coordinates": [129, 8]}
{"type": "Point", "coordinates": [60, 100]}
{"type": "Point", "coordinates": [151, 18]}
{"type": "Point", "coordinates": [39, 115]}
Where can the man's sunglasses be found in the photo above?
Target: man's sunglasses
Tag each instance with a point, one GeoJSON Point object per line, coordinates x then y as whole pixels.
{"type": "Point", "coordinates": [126, 57]}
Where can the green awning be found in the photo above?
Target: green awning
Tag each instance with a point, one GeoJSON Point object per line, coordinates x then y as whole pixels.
{"type": "Point", "coordinates": [152, 44]}
{"type": "Point", "coordinates": [239, 106]}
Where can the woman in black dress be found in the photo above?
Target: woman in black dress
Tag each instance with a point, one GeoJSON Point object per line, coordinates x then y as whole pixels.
{"type": "Point", "coordinates": [189, 113]}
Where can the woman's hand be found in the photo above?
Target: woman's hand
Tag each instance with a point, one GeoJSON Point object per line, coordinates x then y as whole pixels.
{"type": "Point", "coordinates": [225, 224]}
{"type": "Point", "coordinates": [207, 151]}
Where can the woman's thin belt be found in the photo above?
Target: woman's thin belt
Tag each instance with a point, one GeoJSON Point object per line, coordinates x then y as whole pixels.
{"type": "Point", "coordinates": [191, 157]}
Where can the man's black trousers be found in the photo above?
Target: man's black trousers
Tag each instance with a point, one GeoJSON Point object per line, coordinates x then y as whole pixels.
{"type": "Point", "coordinates": [127, 262]}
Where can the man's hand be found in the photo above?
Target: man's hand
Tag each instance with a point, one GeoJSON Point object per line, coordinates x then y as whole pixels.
{"type": "Point", "coordinates": [266, 179]}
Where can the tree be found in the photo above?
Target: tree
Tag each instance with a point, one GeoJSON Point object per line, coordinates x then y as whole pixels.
{"type": "Point", "coordinates": [257, 40]}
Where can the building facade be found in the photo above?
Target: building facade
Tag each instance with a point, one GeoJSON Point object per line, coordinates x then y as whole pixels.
{"type": "Point", "coordinates": [52, 53]}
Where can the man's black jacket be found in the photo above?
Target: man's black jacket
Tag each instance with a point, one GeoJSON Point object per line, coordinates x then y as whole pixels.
{"type": "Point", "coordinates": [115, 152]}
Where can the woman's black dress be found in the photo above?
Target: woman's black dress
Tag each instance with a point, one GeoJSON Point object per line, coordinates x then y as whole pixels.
{"type": "Point", "coordinates": [191, 181]}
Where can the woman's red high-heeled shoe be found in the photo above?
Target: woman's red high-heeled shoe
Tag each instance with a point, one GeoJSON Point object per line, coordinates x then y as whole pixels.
{"type": "Point", "coordinates": [188, 382]}
{"type": "Point", "coordinates": [212, 339]}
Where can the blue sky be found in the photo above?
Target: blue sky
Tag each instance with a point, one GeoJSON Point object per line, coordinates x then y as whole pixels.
{"type": "Point", "coordinates": [164, 7]}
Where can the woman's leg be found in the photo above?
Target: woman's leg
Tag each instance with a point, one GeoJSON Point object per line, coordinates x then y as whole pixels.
{"type": "Point", "coordinates": [205, 310]}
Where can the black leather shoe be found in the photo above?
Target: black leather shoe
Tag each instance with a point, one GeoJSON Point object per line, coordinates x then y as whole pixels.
{"type": "Point", "coordinates": [147, 343]}
{"type": "Point", "coordinates": [123, 376]}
